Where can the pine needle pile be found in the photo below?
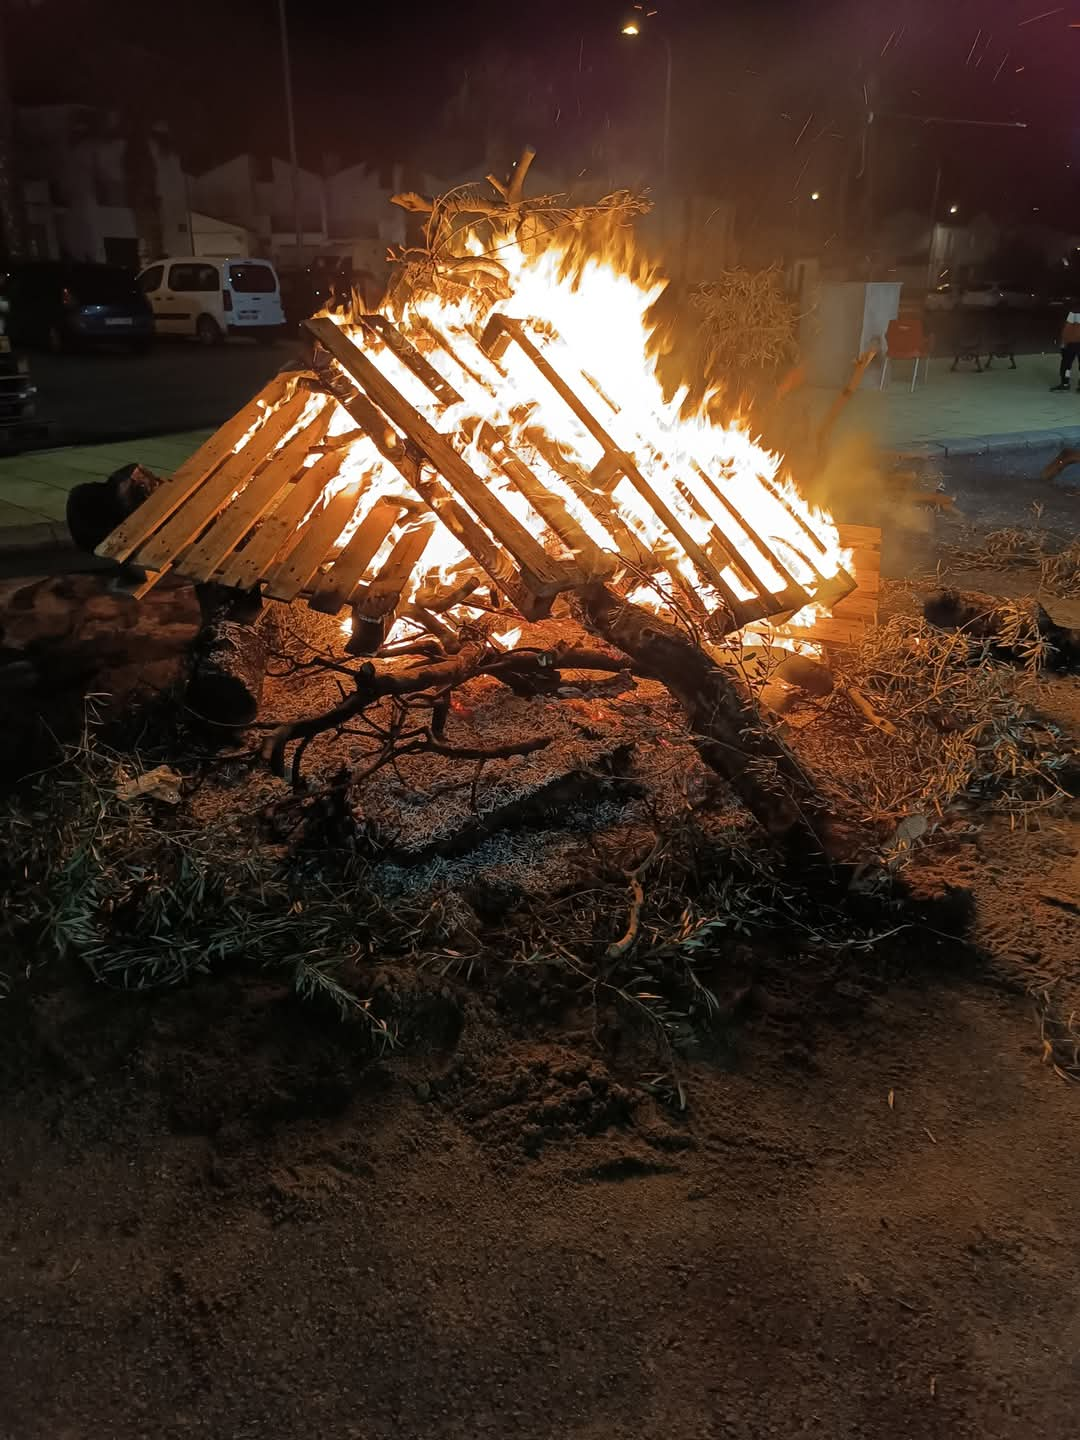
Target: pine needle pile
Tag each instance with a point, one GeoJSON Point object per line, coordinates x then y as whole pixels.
{"type": "Point", "coordinates": [964, 732]}
{"type": "Point", "coordinates": [1055, 560]}
{"type": "Point", "coordinates": [147, 897]}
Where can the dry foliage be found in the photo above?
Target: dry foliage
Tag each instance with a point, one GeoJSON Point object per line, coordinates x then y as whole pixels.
{"type": "Point", "coordinates": [149, 894]}
{"type": "Point", "coordinates": [1056, 560]}
{"type": "Point", "coordinates": [746, 322]}
{"type": "Point", "coordinates": [466, 229]}
{"type": "Point", "coordinates": [966, 727]}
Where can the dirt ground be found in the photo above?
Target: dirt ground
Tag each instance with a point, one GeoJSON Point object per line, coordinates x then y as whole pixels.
{"type": "Point", "coordinates": [222, 1216]}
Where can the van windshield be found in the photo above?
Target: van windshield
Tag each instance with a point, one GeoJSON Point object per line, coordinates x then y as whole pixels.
{"type": "Point", "coordinates": [251, 279]}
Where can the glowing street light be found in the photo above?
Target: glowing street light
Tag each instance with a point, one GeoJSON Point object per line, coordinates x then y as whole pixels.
{"type": "Point", "coordinates": [815, 194]}
{"type": "Point", "coordinates": [954, 209]}
{"type": "Point", "coordinates": [632, 27]}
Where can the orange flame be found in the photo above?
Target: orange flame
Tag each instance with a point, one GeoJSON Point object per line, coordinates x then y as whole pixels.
{"type": "Point", "coordinates": [590, 320]}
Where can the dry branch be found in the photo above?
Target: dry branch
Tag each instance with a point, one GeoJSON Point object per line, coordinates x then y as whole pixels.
{"type": "Point", "coordinates": [524, 671]}
{"type": "Point", "coordinates": [738, 742]}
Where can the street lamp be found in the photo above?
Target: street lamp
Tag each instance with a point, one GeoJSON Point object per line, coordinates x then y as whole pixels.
{"type": "Point", "coordinates": [290, 120]}
{"type": "Point", "coordinates": [954, 209]}
{"type": "Point", "coordinates": [631, 27]}
{"type": "Point", "coordinates": [815, 194]}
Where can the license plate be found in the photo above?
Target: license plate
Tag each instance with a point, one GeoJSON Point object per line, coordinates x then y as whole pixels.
{"type": "Point", "coordinates": [121, 320]}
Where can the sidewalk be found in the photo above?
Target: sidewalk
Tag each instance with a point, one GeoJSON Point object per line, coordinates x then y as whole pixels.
{"type": "Point", "coordinates": [962, 412]}
{"type": "Point", "coordinates": [34, 487]}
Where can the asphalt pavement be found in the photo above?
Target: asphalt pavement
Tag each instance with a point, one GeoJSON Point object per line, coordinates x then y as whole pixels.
{"type": "Point", "coordinates": [109, 395]}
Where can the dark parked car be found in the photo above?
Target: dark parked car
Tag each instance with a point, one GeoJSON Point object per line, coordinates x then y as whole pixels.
{"type": "Point", "coordinates": [62, 304]}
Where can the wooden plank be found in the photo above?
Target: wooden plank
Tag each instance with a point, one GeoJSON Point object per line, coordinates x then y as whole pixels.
{"type": "Point", "coordinates": [386, 331]}
{"type": "Point", "coordinates": [246, 567]}
{"type": "Point", "coordinates": [337, 585]}
{"type": "Point", "coordinates": [500, 330]}
{"type": "Point", "coordinates": [163, 503]}
{"type": "Point", "coordinates": [765, 551]}
{"type": "Point", "coordinates": [541, 571]}
{"type": "Point", "coordinates": [504, 325]}
{"type": "Point", "coordinates": [830, 631]}
{"type": "Point", "coordinates": [408, 461]}
{"type": "Point", "coordinates": [162, 548]}
{"type": "Point", "coordinates": [546, 503]}
{"type": "Point", "coordinates": [857, 612]}
{"type": "Point", "coordinates": [864, 541]}
{"type": "Point", "coordinates": [293, 572]}
{"type": "Point", "coordinates": [258, 495]}
{"type": "Point", "coordinates": [776, 491]}
{"type": "Point", "coordinates": [384, 592]}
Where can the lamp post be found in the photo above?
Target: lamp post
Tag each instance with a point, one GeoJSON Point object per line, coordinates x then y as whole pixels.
{"type": "Point", "coordinates": [632, 28]}
{"type": "Point", "coordinates": [290, 120]}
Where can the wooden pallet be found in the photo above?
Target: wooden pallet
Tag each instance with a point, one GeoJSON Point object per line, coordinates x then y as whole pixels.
{"type": "Point", "coordinates": [265, 502]}
{"type": "Point", "coordinates": [735, 543]}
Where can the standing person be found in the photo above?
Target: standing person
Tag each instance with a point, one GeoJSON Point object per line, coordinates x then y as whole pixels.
{"type": "Point", "coordinates": [1070, 345]}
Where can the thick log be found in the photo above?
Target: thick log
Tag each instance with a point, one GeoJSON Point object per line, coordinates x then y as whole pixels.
{"type": "Point", "coordinates": [228, 667]}
{"type": "Point", "coordinates": [737, 741]}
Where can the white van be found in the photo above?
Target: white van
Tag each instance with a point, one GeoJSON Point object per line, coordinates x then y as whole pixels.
{"type": "Point", "coordinates": [211, 298]}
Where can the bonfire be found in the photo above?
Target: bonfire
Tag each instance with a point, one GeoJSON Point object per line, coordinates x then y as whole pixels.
{"type": "Point", "coordinates": [493, 446]}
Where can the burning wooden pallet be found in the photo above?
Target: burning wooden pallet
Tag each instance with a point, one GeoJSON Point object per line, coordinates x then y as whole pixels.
{"type": "Point", "coordinates": [291, 496]}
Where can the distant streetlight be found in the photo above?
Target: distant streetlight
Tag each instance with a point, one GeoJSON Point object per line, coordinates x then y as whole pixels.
{"type": "Point", "coordinates": [632, 28]}
{"type": "Point", "coordinates": [815, 194]}
{"type": "Point", "coordinates": [954, 209]}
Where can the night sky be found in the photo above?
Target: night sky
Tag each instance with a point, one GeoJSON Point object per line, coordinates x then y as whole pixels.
{"type": "Point", "coordinates": [376, 82]}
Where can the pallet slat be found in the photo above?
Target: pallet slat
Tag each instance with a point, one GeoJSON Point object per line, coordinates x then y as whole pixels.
{"type": "Point", "coordinates": [542, 572]}
{"type": "Point", "coordinates": [159, 506]}
{"type": "Point", "coordinates": [500, 331]}
{"type": "Point", "coordinates": [291, 574]}
{"type": "Point", "coordinates": [384, 592]}
{"type": "Point", "coordinates": [258, 495]}
{"type": "Point", "coordinates": [246, 567]}
{"type": "Point", "coordinates": [339, 582]}
{"type": "Point", "coordinates": [162, 549]}
{"type": "Point", "coordinates": [546, 504]}
{"type": "Point", "coordinates": [410, 357]}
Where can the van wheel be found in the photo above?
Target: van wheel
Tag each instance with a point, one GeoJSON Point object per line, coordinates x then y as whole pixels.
{"type": "Point", "coordinates": [208, 331]}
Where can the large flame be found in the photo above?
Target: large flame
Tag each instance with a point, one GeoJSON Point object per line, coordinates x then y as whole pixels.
{"type": "Point", "coordinates": [589, 314]}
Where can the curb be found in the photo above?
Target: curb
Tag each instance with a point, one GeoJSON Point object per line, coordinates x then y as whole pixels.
{"type": "Point", "coordinates": [1006, 443]}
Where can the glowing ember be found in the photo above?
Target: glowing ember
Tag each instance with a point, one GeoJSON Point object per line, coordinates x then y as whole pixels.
{"type": "Point", "coordinates": [508, 639]}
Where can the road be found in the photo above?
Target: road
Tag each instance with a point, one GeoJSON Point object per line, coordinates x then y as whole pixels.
{"type": "Point", "coordinates": [113, 395]}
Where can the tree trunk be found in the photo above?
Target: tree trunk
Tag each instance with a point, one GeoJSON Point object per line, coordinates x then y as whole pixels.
{"type": "Point", "coordinates": [227, 673]}
{"type": "Point", "coordinates": [737, 741]}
